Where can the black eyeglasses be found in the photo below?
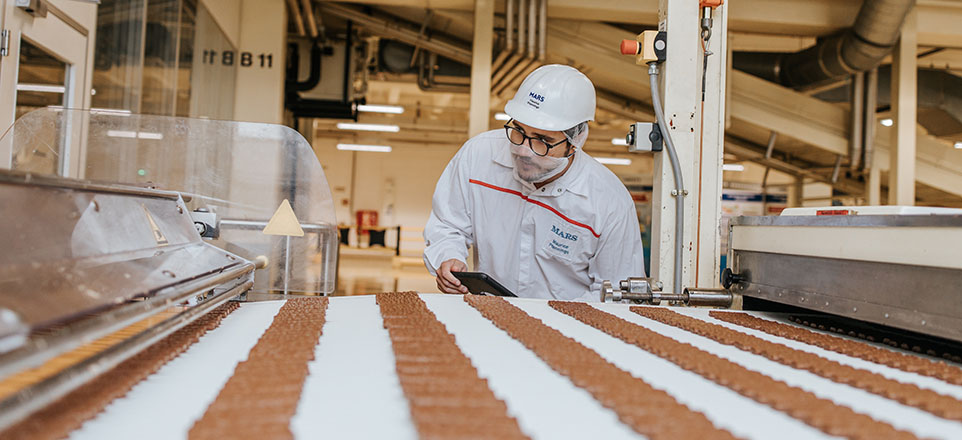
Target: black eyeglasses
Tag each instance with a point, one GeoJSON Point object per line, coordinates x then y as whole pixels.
{"type": "Point", "coordinates": [538, 145]}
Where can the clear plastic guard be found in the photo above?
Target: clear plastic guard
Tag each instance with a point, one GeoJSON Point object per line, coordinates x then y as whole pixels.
{"type": "Point", "coordinates": [240, 171]}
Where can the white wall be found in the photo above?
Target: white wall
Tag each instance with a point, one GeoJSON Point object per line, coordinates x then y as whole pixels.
{"type": "Point", "coordinates": [404, 178]}
{"type": "Point", "coordinates": [260, 91]}
{"type": "Point", "coordinates": [226, 13]}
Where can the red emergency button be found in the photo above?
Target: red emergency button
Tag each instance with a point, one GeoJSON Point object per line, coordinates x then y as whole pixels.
{"type": "Point", "coordinates": [630, 47]}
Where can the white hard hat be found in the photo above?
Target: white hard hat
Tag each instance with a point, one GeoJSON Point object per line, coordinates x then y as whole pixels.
{"type": "Point", "coordinates": [554, 97]}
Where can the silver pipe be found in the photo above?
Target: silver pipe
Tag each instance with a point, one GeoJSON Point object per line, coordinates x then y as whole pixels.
{"type": "Point", "coordinates": [505, 55]}
{"type": "Point", "coordinates": [765, 190]}
{"type": "Point", "coordinates": [708, 297]}
{"type": "Point", "coordinates": [771, 145]}
{"type": "Point", "coordinates": [34, 397]}
{"type": "Point", "coordinates": [42, 349]}
{"type": "Point", "coordinates": [509, 26]}
{"type": "Point", "coordinates": [837, 168]}
{"type": "Point", "coordinates": [857, 121]}
{"type": "Point", "coordinates": [522, 26]}
{"type": "Point", "coordinates": [543, 31]}
{"type": "Point", "coordinates": [309, 18]}
{"type": "Point", "coordinates": [296, 16]}
{"type": "Point", "coordinates": [391, 29]}
{"type": "Point", "coordinates": [676, 172]}
{"type": "Point", "coordinates": [871, 103]}
{"type": "Point", "coordinates": [532, 28]}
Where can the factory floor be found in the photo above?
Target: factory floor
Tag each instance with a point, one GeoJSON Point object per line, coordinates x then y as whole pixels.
{"type": "Point", "coordinates": [366, 273]}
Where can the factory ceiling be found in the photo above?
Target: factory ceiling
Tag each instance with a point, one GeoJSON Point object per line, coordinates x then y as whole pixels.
{"type": "Point", "coordinates": [812, 133]}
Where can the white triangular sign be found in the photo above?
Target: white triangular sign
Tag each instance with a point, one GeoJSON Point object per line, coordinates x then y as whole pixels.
{"type": "Point", "coordinates": [284, 222]}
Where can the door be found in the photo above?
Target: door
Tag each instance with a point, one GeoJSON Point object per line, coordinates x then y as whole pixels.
{"type": "Point", "coordinates": [48, 61]}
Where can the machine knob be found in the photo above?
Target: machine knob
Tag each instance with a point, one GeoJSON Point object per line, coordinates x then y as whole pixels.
{"type": "Point", "coordinates": [729, 278]}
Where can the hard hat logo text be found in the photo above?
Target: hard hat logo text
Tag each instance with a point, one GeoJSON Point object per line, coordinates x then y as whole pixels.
{"type": "Point", "coordinates": [536, 96]}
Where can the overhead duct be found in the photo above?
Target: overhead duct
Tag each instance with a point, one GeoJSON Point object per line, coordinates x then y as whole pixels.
{"type": "Point", "coordinates": [856, 49]}
{"type": "Point", "coordinates": [937, 89]}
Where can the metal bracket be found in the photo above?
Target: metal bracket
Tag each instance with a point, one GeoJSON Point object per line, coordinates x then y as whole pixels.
{"type": "Point", "coordinates": [36, 8]}
{"type": "Point", "coordinates": [644, 136]}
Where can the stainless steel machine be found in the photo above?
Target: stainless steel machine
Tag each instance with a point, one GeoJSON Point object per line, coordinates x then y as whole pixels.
{"type": "Point", "coordinates": [883, 268]}
{"type": "Point", "coordinates": [895, 266]}
{"type": "Point", "coordinates": [168, 221]}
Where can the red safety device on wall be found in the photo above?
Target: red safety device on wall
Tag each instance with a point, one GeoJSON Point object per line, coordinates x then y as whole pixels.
{"type": "Point", "coordinates": [710, 3]}
{"type": "Point", "coordinates": [366, 219]}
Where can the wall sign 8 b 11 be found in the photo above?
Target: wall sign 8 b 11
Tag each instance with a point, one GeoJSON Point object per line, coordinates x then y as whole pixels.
{"type": "Point", "coordinates": [243, 59]}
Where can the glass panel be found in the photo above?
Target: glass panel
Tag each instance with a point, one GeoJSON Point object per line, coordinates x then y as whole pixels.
{"type": "Point", "coordinates": [240, 171]}
{"type": "Point", "coordinates": [40, 83]}
{"type": "Point", "coordinates": [165, 57]}
{"type": "Point", "coordinates": [212, 73]}
{"type": "Point", "coordinates": [118, 59]}
{"type": "Point", "coordinates": [188, 20]}
{"type": "Point", "coordinates": [160, 57]}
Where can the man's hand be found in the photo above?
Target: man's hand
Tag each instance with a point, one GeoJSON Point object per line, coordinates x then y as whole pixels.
{"type": "Point", "coordinates": [447, 283]}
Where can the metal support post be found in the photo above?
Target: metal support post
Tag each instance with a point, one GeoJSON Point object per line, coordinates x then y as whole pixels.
{"type": "Point", "coordinates": [874, 186]}
{"type": "Point", "coordinates": [904, 114]}
{"type": "Point", "coordinates": [707, 185]}
{"type": "Point", "coordinates": [698, 137]}
{"type": "Point", "coordinates": [478, 115]}
{"type": "Point", "coordinates": [287, 262]}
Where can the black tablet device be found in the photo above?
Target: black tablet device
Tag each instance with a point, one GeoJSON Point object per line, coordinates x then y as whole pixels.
{"type": "Point", "coordinates": [480, 283]}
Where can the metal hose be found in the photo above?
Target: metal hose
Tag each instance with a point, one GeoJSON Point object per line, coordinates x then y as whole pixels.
{"type": "Point", "coordinates": [676, 172]}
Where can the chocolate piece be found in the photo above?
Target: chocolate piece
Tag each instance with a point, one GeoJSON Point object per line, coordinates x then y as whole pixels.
{"type": "Point", "coordinates": [260, 398]}
{"type": "Point", "coordinates": [445, 394]}
{"type": "Point", "coordinates": [819, 413]}
{"type": "Point", "coordinates": [912, 364]}
{"type": "Point", "coordinates": [59, 418]}
{"type": "Point", "coordinates": [650, 412]}
{"type": "Point", "coordinates": [907, 394]}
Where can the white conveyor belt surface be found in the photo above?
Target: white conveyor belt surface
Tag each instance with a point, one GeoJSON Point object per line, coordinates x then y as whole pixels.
{"type": "Point", "coordinates": [352, 390]}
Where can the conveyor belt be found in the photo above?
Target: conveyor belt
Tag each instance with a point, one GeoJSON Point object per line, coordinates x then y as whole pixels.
{"type": "Point", "coordinates": [352, 389]}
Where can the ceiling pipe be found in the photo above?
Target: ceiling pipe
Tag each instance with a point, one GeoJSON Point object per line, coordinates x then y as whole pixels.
{"type": "Point", "coordinates": [856, 49]}
{"type": "Point", "coordinates": [296, 17]}
{"type": "Point", "coordinates": [309, 18]}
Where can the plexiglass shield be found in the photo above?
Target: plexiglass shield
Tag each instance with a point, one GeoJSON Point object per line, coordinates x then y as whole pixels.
{"type": "Point", "coordinates": [234, 175]}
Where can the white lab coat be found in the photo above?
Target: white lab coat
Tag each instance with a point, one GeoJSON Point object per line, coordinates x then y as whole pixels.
{"type": "Point", "coordinates": [557, 242]}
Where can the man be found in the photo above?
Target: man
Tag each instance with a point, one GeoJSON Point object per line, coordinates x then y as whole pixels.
{"type": "Point", "coordinates": [545, 219]}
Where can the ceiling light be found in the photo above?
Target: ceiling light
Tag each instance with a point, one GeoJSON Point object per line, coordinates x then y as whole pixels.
{"type": "Point", "coordinates": [372, 108]}
{"type": "Point", "coordinates": [368, 127]}
{"type": "Point", "coordinates": [619, 141]}
{"type": "Point", "coordinates": [887, 122]}
{"type": "Point", "coordinates": [502, 117]}
{"type": "Point", "coordinates": [44, 88]}
{"type": "Point", "coordinates": [371, 148]}
{"type": "Point", "coordinates": [149, 135]}
{"type": "Point", "coordinates": [733, 167]}
{"type": "Point", "coordinates": [122, 134]}
{"type": "Point", "coordinates": [134, 134]}
{"type": "Point", "coordinates": [958, 145]}
{"type": "Point", "coordinates": [613, 161]}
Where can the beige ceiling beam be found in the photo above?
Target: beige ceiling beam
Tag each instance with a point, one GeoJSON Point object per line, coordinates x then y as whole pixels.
{"type": "Point", "coordinates": [744, 151]}
{"type": "Point", "coordinates": [938, 19]}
